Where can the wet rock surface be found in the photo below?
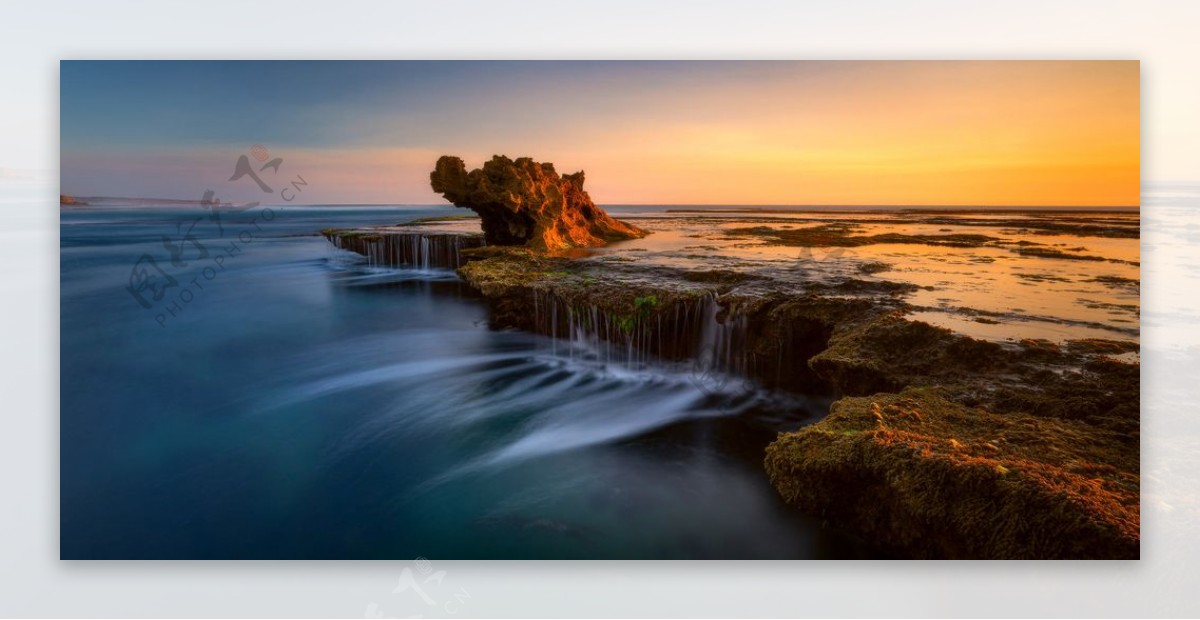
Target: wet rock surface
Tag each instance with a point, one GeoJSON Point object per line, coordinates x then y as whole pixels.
{"type": "Point", "coordinates": [1063, 478]}
{"type": "Point", "coordinates": [420, 247]}
{"type": "Point", "coordinates": [928, 477]}
{"type": "Point", "coordinates": [524, 202]}
{"type": "Point", "coordinates": [940, 445]}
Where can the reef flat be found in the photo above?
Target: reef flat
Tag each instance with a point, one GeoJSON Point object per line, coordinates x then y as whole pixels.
{"type": "Point", "coordinates": [967, 422]}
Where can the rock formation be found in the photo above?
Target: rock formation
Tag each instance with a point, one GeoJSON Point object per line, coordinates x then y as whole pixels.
{"type": "Point", "coordinates": [940, 446]}
{"type": "Point", "coordinates": [927, 477]}
{"type": "Point", "coordinates": [937, 445]}
{"type": "Point", "coordinates": [524, 202]}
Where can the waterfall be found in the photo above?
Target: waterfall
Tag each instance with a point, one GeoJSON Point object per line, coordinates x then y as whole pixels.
{"type": "Point", "coordinates": [685, 329]}
{"type": "Point", "coordinates": [715, 337]}
{"type": "Point", "coordinates": [422, 251]}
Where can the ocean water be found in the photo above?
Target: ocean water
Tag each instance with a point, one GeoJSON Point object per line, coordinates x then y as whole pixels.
{"type": "Point", "coordinates": [266, 396]}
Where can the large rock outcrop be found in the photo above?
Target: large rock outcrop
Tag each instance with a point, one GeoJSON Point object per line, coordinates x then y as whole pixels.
{"type": "Point", "coordinates": [524, 202]}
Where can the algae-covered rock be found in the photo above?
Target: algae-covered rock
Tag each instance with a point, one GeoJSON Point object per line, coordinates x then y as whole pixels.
{"type": "Point", "coordinates": [890, 352]}
{"type": "Point", "coordinates": [947, 446]}
{"type": "Point", "coordinates": [524, 202]}
{"type": "Point", "coordinates": [423, 249]}
{"type": "Point", "coordinates": [926, 477]}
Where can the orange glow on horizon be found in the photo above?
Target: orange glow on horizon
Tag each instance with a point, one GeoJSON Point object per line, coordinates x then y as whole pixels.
{"type": "Point", "coordinates": [957, 133]}
{"type": "Point", "coordinates": [940, 133]}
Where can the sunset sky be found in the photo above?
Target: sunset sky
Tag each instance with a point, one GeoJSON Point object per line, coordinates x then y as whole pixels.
{"type": "Point", "coordinates": [802, 133]}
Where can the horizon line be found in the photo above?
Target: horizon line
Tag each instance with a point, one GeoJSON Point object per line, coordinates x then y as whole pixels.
{"type": "Point", "coordinates": [663, 204]}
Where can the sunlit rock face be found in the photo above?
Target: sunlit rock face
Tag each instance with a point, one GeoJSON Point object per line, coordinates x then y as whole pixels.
{"type": "Point", "coordinates": [524, 202]}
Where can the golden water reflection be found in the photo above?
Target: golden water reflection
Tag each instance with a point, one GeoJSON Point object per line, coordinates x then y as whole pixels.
{"type": "Point", "coordinates": [1047, 275]}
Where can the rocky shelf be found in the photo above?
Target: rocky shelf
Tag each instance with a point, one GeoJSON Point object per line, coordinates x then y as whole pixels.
{"type": "Point", "coordinates": [938, 444]}
{"type": "Point", "coordinates": [406, 246]}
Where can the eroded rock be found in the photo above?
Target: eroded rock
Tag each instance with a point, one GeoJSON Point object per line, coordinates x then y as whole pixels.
{"type": "Point", "coordinates": [524, 202]}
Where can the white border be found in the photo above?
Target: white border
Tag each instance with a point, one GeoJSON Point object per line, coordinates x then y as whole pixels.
{"type": "Point", "coordinates": [34, 36]}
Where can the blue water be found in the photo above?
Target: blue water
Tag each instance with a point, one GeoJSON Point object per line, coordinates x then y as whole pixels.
{"type": "Point", "coordinates": [300, 405]}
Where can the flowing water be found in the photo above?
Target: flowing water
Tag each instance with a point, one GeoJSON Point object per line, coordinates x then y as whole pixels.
{"type": "Point", "coordinates": [245, 389]}
{"type": "Point", "coordinates": [270, 396]}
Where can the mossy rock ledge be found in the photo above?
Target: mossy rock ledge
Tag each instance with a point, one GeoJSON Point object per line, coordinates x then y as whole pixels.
{"type": "Point", "coordinates": [937, 445]}
{"type": "Point", "coordinates": [941, 446]}
{"type": "Point", "coordinates": [925, 477]}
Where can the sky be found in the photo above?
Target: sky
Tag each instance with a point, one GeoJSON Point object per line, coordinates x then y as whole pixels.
{"type": "Point", "coordinates": [1039, 133]}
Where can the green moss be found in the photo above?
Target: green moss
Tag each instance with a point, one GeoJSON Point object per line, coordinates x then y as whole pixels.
{"type": "Point", "coordinates": [928, 477]}
{"type": "Point", "coordinates": [643, 305]}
